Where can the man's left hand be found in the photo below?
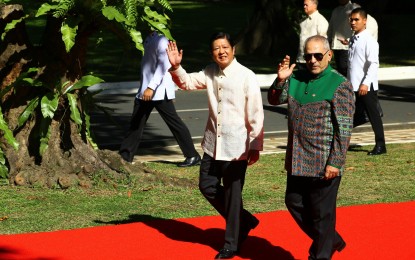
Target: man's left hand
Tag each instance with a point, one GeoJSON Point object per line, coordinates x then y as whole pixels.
{"type": "Point", "coordinates": [253, 156]}
{"type": "Point", "coordinates": [148, 94]}
{"type": "Point", "coordinates": [331, 172]}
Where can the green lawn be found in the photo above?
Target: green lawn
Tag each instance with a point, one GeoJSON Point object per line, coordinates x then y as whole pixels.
{"type": "Point", "coordinates": [172, 192]}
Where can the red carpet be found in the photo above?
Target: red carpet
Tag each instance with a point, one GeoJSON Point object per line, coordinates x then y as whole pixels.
{"type": "Point", "coordinates": [380, 231]}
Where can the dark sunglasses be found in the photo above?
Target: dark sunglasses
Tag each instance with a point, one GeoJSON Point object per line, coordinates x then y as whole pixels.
{"type": "Point", "coordinates": [317, 56]}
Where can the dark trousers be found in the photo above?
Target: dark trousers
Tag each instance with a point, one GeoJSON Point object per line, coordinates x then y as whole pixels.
{"type": "Point", "coordinates": [167, 111]}
{"type": "Point", "coordinates": [369, 103]}
{"type": "Point", "coordinates": [312, 203]}
{"type": "Point", "coordinates": [226, 199]}
{"type": "Point", "coordinates": [341, 58]}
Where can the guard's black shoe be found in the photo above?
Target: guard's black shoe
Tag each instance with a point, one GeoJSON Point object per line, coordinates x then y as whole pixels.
{"type": "Point", "coordinates": [190, 161]}
{"type": "Point", "coordinates": [126, 156]}
{"type": "Point", "coordinates": [377, 150]}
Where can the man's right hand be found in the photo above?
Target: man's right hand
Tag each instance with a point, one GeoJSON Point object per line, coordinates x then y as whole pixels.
{"type": "Point", "coordinates": [284, 69]}
{"type": "Point", "coordinates": [363, 89]}
{"type": "Point", "coordinates": [344, 41]}
{"type": "Point", "coordinates": [175, 56]}
{"type": "Point", "coordinates": [148, 94]}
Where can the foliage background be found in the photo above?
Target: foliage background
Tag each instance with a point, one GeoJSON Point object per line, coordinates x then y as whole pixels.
{"type": "Point", "coordinates": [194, 21]}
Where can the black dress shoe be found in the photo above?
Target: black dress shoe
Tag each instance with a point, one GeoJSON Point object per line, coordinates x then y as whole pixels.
{"type": "Point", "coordinates": [225, 254]}
{"type": "Point", "coordinates": [245, 229]}
{"type": "Point", "coordinates": [377, 150]}
{"type": "Point", "coordinates": [190, 161]}
{"type": "Point", "coordinates": [339, 247]}
{"type": "Point", "coordinates": [126, 157]}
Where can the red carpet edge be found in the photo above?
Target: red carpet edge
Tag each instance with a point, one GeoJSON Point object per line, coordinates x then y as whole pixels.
{"type": "Point", "coordinates": [376, 231]}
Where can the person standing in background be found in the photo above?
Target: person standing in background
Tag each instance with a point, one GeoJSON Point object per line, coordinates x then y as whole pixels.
{"type": "Point", "coordinates": [313, 24]}
{"type": "Point", "coordinates": [339, 30]}
{"type": "Point", "coordinates": [339, 33]}
{"type": "Point", "coordinates": [372, 26]}
{"type": "Point", "coordinates": [362, 72]}
{"type": "Point", "coordinates": [157, 90]}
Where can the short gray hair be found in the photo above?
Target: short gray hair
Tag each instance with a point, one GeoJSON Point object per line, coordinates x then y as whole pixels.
{"type": "Point", "coordinates": [318, 38]}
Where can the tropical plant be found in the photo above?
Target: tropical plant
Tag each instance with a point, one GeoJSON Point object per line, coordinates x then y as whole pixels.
{"type": "Point", "coordinates": [44, 97]}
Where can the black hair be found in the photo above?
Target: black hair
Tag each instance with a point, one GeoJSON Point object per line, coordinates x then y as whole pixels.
{"type": "Point", "coordinates": [359, 11]}
{"type": "Point", "coordinates": [221, 35]}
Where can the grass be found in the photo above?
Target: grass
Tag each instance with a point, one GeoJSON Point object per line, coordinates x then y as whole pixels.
{"type": "Point", "coordinates": [172, 192]}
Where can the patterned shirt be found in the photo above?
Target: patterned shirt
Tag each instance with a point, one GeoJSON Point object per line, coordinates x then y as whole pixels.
{"type": "Point", "coordinates": [236, 116]}
{"type": "Point", "coordinates": [320, 121]}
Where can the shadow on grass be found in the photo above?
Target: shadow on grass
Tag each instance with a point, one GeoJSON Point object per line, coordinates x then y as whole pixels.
{"type": "Point", "coordinates": [357, 149]}
{"type": "Point", "coordinates": [254, 247]}
{"type": "Point", "coordinates": [164, 161]}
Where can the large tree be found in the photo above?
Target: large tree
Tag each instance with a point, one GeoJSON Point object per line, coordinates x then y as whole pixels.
{"type": "Point", "coordinates": [45, 103]}
{"type": "Point", "coordinates": [273, 25]}
{"type": "Point", "coordinates": [272, 28]}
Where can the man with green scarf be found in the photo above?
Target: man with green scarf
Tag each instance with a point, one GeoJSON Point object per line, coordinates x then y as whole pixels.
{"type": "Point", "coordinates": [320, 121]}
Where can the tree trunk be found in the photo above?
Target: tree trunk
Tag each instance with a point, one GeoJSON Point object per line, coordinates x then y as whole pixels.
{"type": "Point", "coordinates": [270, 29]}
{"type": "Point", "coordinates": [69, 159]}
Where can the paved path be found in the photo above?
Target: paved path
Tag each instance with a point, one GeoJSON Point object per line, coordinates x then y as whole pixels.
{"type": "Point", "coordinates": [130, 87]}
{"type": "Point", "coordinates": [397, 94]}
{"type": "Point", "coordinates": [361, 137]}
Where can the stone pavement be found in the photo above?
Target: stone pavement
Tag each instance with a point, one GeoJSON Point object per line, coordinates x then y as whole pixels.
{"type": "Point", "coordinates": [390, 73]}
{"type": "Point", "coordinates": [275, 142]}
{"type": "Point", "coordinates": [361, 136]}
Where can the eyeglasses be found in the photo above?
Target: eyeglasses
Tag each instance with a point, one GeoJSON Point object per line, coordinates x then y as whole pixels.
{"type": "Point", "coordinates": [317, 56]}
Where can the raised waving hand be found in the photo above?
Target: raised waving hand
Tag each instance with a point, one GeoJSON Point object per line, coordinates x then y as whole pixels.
{"type": "Point", "coordinates": [284, 69]}
{"type": "Point", "coordinates": [175, 56]}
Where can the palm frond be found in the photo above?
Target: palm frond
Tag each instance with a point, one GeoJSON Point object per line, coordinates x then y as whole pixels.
{"type": "Point", "coordinates": [131, 10]}
{"type": "Point", "coordinates": [63, 8]}
{"type": "Point", "coordinates": [165, 4]}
